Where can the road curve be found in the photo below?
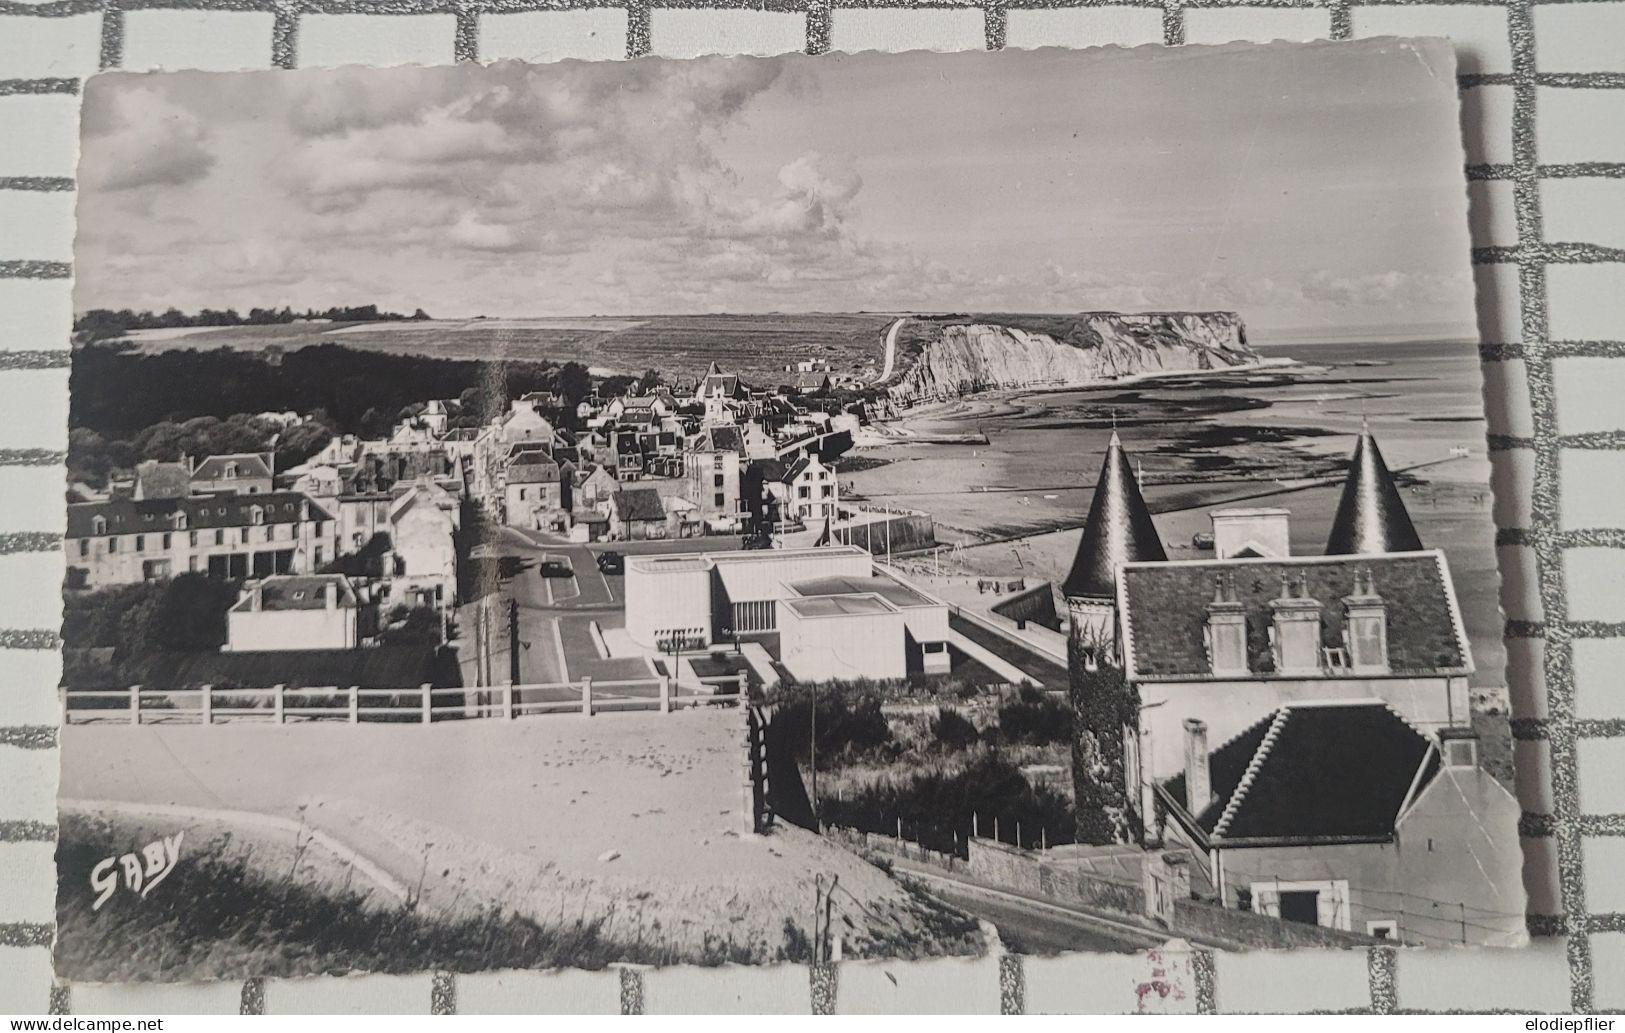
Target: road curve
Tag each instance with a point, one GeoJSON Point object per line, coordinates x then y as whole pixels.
{"type": "Point", "coordinates": [891, 350]}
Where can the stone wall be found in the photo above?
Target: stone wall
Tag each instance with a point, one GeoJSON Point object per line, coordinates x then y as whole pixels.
{"type": "Point", "coordinates": [1024, 871]}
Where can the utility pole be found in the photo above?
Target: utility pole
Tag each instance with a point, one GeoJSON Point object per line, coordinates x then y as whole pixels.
{"type": "Point", "coordinates": [814, 745]}
{"type": "Point", "coordinates": [513, 641]}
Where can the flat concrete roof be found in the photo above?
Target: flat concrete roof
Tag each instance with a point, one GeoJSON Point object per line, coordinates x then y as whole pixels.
{"type": "Point", "coordinates": [1246, 512]}
{"type": "Point", "coordinates": [839, 606]}
{"type": "Point", "coordinates": [698, 560]}
{"type": "Point", "coordinates": [896, 593]}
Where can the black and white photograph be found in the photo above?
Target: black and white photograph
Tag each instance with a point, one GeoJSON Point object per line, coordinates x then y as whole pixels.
{"type": "Point", "coordinates": [762, 510]}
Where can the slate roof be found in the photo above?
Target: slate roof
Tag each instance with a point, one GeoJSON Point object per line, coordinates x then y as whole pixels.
{"type": "Point", "coordinates": [1118, 530]}
{"type": "Point", "coordinates": [299, 592]}
{"type": "Point", "coordinates": [639, 504]}
{"type": "Point", "coordinates": [132, 516]}
{"type": "Point", "coordinates": [1164, 609]}
{"type": "Point", "coordinates": [715, 439]}
{"type": "Point", "coordinates": [250, 465]}
{"type": "Point", "coordinates": [1313, 772]}
{"type": "Point", "coordinates": [1371, 516]}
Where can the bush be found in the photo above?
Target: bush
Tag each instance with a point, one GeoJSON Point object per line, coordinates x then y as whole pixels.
{"type": "Point", "coordinates": [953, 731]}
{"type": "Point", "coordinates": [1034, 718]}
{"type": "Point", "coordinates": [850, 725]}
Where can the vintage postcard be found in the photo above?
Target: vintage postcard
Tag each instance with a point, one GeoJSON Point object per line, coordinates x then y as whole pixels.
{"type": "Point", "coordinates": [757, 510]}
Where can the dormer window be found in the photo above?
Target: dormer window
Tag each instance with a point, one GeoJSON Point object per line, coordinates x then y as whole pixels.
{"type": "Point", "coordinates": [1295, 628]}
{"type": "Point", "coordinates": [229, 471]}
{"type": "Point", "coordinates": [180, 521]}
{"type": "Point", "coordinates": [256, 515]}
{"type": "Point", "coordinates": [1226, 631]}
{"type": "Point", "coordinates": [1365, 625]}
{"type": "Point", "coordinates": [1460, 752]}
{"type": "Point", "coordinates": [98, 525]}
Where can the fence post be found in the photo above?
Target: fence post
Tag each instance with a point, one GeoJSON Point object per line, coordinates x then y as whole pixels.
{"type": "Point", "coordinates": [135, 704]}
{"type": "Point", "coordinates": [507, 700]}
{"type": "Point", "coordinates": [665, 693]}
{"type": "Point", "coordinates": [355, 704]}
{"type": "Point", "coordinates": [278, 703]}
{"type": "Point", "coordinates": [586, 697]}
{"type": "Point", "coordinates": [207, 703]}
{"type": "Point", "coordinates": [428, 702]}
{"type": "Point", "coordinates": [742, 687]}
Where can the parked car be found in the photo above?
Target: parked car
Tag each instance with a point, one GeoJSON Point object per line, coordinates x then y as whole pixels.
{"type": "Point", "coordinates": [611, 563]}
{"type": "Point", "coordinates": [556, 568]}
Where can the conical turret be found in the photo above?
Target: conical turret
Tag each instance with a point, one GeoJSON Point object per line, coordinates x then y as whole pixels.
{"type": "Point", "coordinates": [1119, 530]}
{"type": "Point", "coordinates": [1371, 516]}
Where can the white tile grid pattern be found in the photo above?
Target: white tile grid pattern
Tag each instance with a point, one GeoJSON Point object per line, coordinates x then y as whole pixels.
{"type": "Point", "coordinates": [1547, 215]}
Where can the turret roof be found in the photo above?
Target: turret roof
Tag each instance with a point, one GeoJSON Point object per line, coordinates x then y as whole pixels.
{"type": "Point", "coordinates": [1118, 530]}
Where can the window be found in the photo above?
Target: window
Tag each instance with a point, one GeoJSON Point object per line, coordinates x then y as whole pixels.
{"type": "Point", "coordinates": [270, 531]}
{"type": "Point", "coordinates": [84, 547]}
{"type": "Point", "coordinates": [219, 536]}
{"type": "Point", "coordinates": [757, 615]}
{"type": "Point", "coordinates": [230, 470]}
{"type": "Point", "coordinates": [826, 491]}
{"type": "Point", "coordinates": [140, 543]}
{"type": "Point", "coordinates": [1368, 642]}
{"type": "Point", "coordinates": [1300, 906]}
{"type": "Point", "coordinates": [316, 555]}
{"type": "Point", "coordinates": [719, 499]}
{"type": "Point", "coordinates": [98, 525]}
{"type": "Point", "coordinates": [803, 492]}
{"type": "Point", "coordinates": [718, 481]}
{"type": "Point", "coordinates": [521, 494]}
{"type": "Point", "coordinates": [1460, 753]}
{"type": "Point", "coordinates": [243, 535]}
{"type": "Point", "coordinates": [934, 647]}
{"type": "Point", "coordinates": [191, 538]}
{"type": "Point", "coordinates": [180, 521]}
{"type": "Point", "coordinates": [112, 544]}
{"type": "Point", "coordinates": [166, 541]}
{"type": "Point", "coordinates": [1383, 929]}
{"type": "Point", "coordinates": [191, 564]}
{"type": "Point", "coordinates": [256, 515]}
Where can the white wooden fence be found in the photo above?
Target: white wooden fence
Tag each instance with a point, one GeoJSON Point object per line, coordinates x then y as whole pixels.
{"type": "Point", "coordinates": [422, 704]}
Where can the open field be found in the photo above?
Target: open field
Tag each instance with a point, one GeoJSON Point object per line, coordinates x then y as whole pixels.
{"type": "Point", "coordinates": [754, 345]}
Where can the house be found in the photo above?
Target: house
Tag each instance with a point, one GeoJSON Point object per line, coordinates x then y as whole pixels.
{"type": "Point", "coordinates": [1358, 656]}
{"type": "Point", "coordinates": [125, 541]}
{"type": "Point", "coordinates": [809, 493]}
{"type": "Point", "coordinates": [245, 473]}
{"type": "Point", "coordinates": [422, 571]}
{"type": "Point", "coordinates": [595, 489]}
{"type": "Point", "coordinates": [315, 611]}
{"type": "Point", "coordinates": [807, 383]}
{"type": "Point", "coordinates": [636, 514]}
{"type": "Point", "coordinates": [536, 490]}
{"type": "Point", "coordinates": [711, 482]}
{"type": "Point", "coordinates": [1345, 815]}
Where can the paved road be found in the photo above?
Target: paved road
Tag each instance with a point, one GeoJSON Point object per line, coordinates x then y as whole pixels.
{"type": "Point", "coordinates": [891, 350]}
{"type": "Point", "coordinates": [1033, 927]}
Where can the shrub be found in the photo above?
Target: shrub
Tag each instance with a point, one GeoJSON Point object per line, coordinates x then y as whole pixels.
{"type": "Point", "coordinates": [1034, 718]}
{"type": "Point", "coordinates": [953, 731]}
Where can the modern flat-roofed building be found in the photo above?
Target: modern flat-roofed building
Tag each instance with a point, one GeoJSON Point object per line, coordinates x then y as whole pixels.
{"type": "Point", "coordinates": [807, 598]}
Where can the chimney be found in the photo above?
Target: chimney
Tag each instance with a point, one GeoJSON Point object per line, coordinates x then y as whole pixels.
{"type": "Point", "coordinates": [254, 597]}
{"type": "Point", "coordinates": [330, 595]}
{"type": "Point", "coordinates": [1198, 779]}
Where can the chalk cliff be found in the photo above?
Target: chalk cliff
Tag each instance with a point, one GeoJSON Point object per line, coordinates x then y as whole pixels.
{"type": "Point", "coordinates": [954, 358]}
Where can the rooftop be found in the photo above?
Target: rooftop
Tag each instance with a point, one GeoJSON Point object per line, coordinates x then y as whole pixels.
{"type": "Point", "coordinates": [839, 606]}
{"type": "Point", "coordinates": [894, 592]}
{"type": "Point", "coordinates": [1164, 608]}
{"type": "Point", "coordinates": [134, 516]}
{"type": "Point", "coordinates": [297, 592]}
{"type": "Point", "coordinates": [1341, 770]}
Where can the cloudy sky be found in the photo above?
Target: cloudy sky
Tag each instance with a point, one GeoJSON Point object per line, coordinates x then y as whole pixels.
{"type": "Point", "coordinates": [1312, 186]}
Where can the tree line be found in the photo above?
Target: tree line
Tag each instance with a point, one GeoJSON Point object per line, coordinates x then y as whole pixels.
{"type": "Point", "coordinates": [100, 324]}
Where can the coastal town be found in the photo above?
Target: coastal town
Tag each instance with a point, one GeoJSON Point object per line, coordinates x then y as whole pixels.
{"type": "Point", "coordinates": [1262, 732]}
